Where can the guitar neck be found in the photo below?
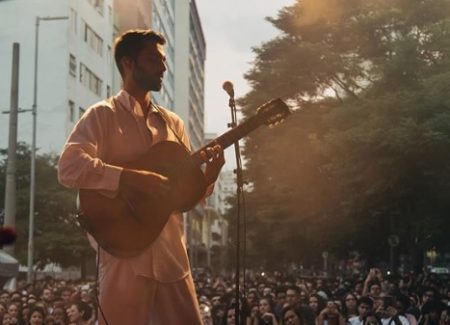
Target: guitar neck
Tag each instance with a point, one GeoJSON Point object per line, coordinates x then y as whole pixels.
{"type": "Point", "coordinates": [230, 137]}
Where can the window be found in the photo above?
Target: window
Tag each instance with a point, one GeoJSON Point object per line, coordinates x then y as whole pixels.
{"type": "Point", "coordinates": [108, 91]}
{"type": "Point", "coordinates": [94, 41]}
{"type": "Point", "coordinates": [73, 20]}
{"type": "Point", "coordinates": [72, 65]}
{"type": "Point", "coordinates": [98, 5]}
{"type": "Point", "coordinates": [71, 111]}
{"type": "Point", "coordinates": [109, 55]}
{"type": "Point", "coordinates": [81, 111]}
{"type": "Point", "coordinates": [90, 80]}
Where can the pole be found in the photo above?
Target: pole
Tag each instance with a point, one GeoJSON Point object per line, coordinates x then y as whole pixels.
{"type": "Point", "coordinates": [10, 187]}
{"type": "Point", "coordinates": [33, 160]}
{"type": "Point", "coordinates": [33, 148]}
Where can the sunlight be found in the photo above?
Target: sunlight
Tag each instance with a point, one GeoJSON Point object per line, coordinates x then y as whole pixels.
{"type": "Point", "coordinates": [315, 11]}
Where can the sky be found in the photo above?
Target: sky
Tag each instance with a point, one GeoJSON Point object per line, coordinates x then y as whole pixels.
{"type": "Point", "coordinates": [231, 29]}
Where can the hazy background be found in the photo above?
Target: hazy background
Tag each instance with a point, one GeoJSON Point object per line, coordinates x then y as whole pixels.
{"type": "Point", "coordinates": [231, 29]}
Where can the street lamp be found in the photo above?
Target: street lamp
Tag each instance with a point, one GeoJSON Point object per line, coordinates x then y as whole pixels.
{"type": "Point", "coordinates": [33, 148]}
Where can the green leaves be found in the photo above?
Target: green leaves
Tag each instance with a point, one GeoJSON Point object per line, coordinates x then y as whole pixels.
{"type": "Point", "coordinates": [370, 140]}
{"type": "Point", "coordinates": [57, 238]}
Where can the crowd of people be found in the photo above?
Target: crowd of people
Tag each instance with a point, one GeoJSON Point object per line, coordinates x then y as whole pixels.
{"type": "Point", "coordinates": [268, 298]}
{"type": "Point", "coordinates": [374, 299]}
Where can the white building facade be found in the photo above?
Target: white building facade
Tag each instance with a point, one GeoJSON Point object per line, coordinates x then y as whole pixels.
{"type": "Point", "coordinates": [74, 64]}
{"type": "Point", "coordinates": [76, 69]}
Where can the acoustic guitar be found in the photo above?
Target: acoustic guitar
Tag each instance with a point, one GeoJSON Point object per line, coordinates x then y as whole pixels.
{"type": "Point", "coordinates": [126, 225]}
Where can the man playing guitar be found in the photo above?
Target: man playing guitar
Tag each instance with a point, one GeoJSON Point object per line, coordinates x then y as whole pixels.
{"type": "Point", "coordinates": [154, 286]}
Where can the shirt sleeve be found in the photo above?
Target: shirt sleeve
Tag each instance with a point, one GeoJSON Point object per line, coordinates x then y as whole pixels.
{"type": "Point", "coordinates": [80, 165]}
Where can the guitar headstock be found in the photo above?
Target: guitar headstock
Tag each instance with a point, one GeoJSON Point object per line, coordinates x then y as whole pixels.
{"type": "Point", "coordinates": [273, 112]}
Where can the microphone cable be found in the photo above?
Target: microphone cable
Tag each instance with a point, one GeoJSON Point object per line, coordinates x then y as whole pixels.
{"type": "Point", "coordinates": [97, 285]}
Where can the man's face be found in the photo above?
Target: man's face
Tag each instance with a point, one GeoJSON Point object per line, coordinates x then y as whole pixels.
{"type": "Point", "coordinates": [73, 314]}
{"type": "Point", "coordinates": [427, 295]}
{"type": "Point", "coordinates": [47, 295]}
{"type": "Point", "coordinates": [281, 298]}
{"type": "Point", "coordinates": [65, 295]}
{"type": "Point", "coordinates": [291, 297]}
{"type": "Point", "coordinates": [4, 298]}
{"type": "Point", "coordinates": [267, 292]}
{"type": "Point", "coordinates": [149, 67]}
{"type": "Point", "coordinates": [363, 309]}
{"type": "Point", "coordinates": [375, 290]}
{"type": "Point", "coordinates": [251, 297]}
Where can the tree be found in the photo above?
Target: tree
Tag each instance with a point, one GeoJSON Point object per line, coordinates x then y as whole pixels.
{"type": "Point", "coordinates": [58, 238]}
{"type": "Point", "coordinates": [365, 147]}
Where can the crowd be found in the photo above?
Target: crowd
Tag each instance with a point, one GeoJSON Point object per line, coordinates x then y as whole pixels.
{"type": "Point", "coordinates": [274, 298]}
{"type": "Point", "coordinates": [373, 299]}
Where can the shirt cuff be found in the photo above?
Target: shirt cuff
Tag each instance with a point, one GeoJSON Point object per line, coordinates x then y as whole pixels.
{"type": "Point", "coordinates": [112, 180]}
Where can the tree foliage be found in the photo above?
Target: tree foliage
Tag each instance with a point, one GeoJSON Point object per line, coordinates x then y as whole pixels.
{"type": "Point", "coordinates": [364, 154]}
{"type": "Point", "coordinates": [57, 238]}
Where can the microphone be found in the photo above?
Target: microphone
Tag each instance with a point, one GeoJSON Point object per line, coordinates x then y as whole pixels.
{"type": "Point", "coordinates": [7, 235]}
{"type": "Point", "coordinates": [228, 87]}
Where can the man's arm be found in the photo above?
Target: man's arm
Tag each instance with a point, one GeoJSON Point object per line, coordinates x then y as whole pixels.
{"type": "Point", "coordinates": [80, 165]}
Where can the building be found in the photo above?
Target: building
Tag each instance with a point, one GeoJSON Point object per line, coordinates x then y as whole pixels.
{"type": "Point", "coordinates": [209, 232]}
{"type": "Point", "coordinates": [74, 64]}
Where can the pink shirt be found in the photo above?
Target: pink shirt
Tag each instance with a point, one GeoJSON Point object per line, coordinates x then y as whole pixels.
{"type": "Point", "coordinates": [119, 132]}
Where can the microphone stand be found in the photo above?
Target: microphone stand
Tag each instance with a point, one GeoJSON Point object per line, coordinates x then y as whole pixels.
{"type": "Point", "coordinates": [239, 189]}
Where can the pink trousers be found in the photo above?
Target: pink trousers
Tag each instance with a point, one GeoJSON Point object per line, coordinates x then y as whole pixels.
{"type": "Point", "coordinates": [127, 299]}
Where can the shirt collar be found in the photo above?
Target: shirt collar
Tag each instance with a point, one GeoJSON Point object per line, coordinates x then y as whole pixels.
{"type": "Point", "coordinates": [131, 104]}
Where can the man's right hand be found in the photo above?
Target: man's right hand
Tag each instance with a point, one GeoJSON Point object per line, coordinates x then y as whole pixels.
{"type": "Point", "coordinates": [150, 183]}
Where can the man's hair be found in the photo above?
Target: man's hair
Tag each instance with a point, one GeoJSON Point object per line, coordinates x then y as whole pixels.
{"type": "Point", "coordinates": [365, 300]}
{"type": "Point", "coordinates": [130, 43]}
{"type": "Point", "coordinates": [83, 308]}
{"type": "Point", "coordinates": [294, 288]}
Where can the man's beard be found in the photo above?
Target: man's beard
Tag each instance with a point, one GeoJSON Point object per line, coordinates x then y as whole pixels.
{"type": "Point", "coordinates": [148, 83]}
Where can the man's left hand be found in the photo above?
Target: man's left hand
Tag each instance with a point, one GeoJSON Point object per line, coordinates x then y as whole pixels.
{"type": "Point", "coordinates": [214, 159]}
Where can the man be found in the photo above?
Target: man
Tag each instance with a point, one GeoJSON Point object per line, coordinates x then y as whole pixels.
{"type": "Point", "coordinates": [155, 287]}
{"type": "Point", "coordinates": [365, 305]}
{"type": "Point", "coordinates": [293, 300]}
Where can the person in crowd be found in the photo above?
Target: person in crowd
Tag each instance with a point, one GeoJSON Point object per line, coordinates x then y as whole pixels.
{"type": "Point", "coordinates": [317, 303]}
{"type": "Point", "coordinates": [291, 316]}
{"type": "Point", "coordinates": [266, 313]}
{"type": "Point", "coordinates": [413, 308]}
{"type": "Point", "coordinates": [292, 296]}
{"type": "Point", "coordinates": [372, 284]}
{"type": "Point", "coordinates": [4, 297]}
{"type": "Point", "coordinates": [293, 300]}
{"type": "Point", "coordinates": [2, 310]}
{"type": "Point", "coordinates": [14, 310]}
{"type": "Point", "coordinates": [9, 320]}
{"type": "Point", "coordinates": [365, 305]}
{"type": "Point", "coordinates": [218, 313]}
{"type": "Point", "coordinates": [65, 293]}
{"type": "Point", "coordinates": [371, 319]}
{"type": "Point", "coordinates": [79, 313]}
{"type": "Point", "coordinates": [402, 304]}
{"type": "Point", "coordinates": [36, 316]}
{"type": "Point", "coordinates": [431, 312]}
{"type": "Point", "coordinates": [350, 306]}
{"type": "Point", "coordinates": [60, 316]}
{"type": "Point", "coordinates": [230, 317]}
{"type": "Point", "coordinates": [428, 293]}
{"type": "Point", "coordinates": [280, 300]}
{"type": "Point", "coordinates": [445, 316]}
{"type": "Point", "coordinates": [330, 315]}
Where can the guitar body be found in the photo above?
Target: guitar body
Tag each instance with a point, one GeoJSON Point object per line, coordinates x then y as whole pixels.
{"type": "Point", "coordinates": [127, 224]}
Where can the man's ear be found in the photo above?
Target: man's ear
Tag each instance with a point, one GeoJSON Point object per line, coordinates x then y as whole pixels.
{"type": "Point", "coordinates": [126, 62]}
